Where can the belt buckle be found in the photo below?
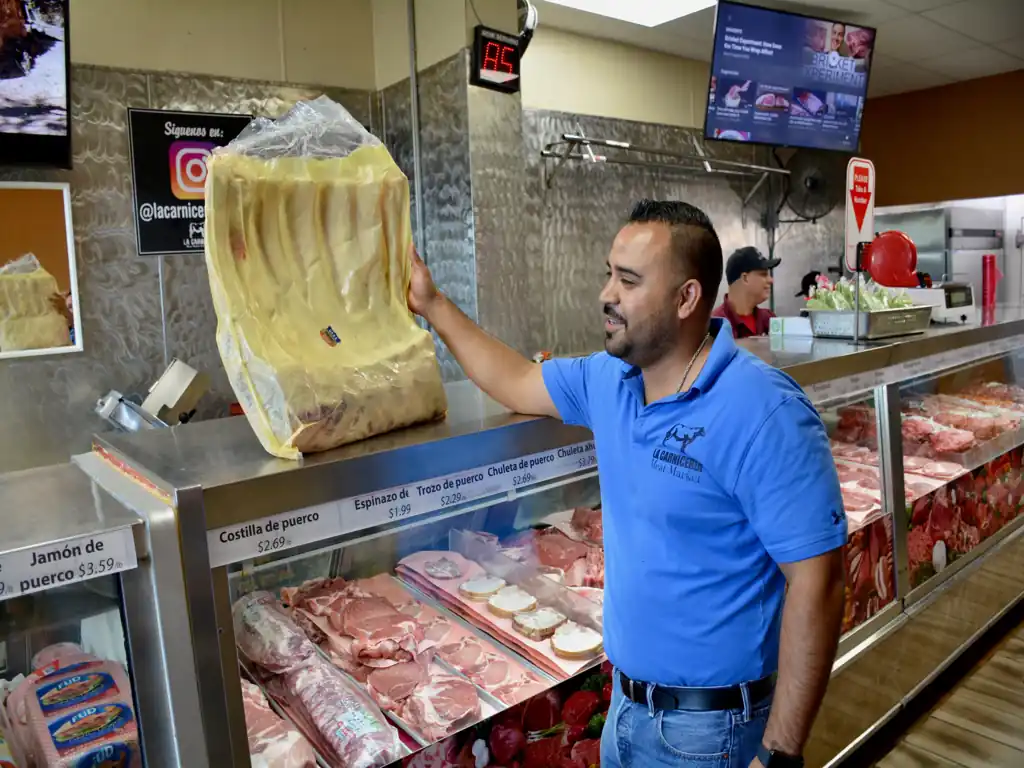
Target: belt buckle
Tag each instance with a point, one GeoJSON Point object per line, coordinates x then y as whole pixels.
{"type": "Point", "coordinates": [632, 689]}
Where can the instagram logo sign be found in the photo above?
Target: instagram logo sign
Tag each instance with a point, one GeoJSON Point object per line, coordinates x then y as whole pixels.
{"type": "Point", "coordinates": [188, 168]}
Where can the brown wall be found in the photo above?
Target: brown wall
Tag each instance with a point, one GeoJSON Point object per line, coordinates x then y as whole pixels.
{"type": "Point", "coordinates": [32, 221]}
{"type": "Point", "coordinates": [950, 143]}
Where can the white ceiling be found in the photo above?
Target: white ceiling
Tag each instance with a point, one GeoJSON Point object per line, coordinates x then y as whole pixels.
{"type": "Point", "coordinates": [920, 43]}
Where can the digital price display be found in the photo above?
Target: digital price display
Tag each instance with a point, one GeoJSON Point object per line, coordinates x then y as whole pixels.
{"type": "Point", "coordinates": [495, 60]}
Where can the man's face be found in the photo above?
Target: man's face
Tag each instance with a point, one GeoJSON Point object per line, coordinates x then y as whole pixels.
{"type": "Point", "coordinates": [646, 297]}
{"type": "Point", "coordinates": [758, 285]}
{"type": "Point", "coordinates": [838, 31]}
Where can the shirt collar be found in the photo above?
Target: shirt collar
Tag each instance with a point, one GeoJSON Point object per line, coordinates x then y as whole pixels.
{"type": "Point", "coordinates": [723, 350]}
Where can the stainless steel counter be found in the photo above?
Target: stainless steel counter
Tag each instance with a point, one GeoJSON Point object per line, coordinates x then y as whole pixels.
{"type": "Point", "coordinates": [50, 505]}
{"type": "Point", "coordinates": [240, 481]}
{"type": "Point", "coordinates": [811, 361]}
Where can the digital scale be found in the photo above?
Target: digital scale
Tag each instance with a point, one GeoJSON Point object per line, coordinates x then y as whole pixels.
{"type": "Point", "coordinates": [951, 303]}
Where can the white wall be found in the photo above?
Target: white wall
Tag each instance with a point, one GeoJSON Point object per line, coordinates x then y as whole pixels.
{"type": "Point", "coordinates": [327, 42]}
{"type": "Point", "coordinates": [571, 73]}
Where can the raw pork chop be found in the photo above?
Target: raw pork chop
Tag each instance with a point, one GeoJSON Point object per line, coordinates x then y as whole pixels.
{"type": "Point", "coordinates": [391, 686]}
{"type": "Point", "coordinates": [589, 523]}
{"type": "Point", "coordinates": [442, 706]}
{"type": "Point", "coordinates": [379, 631]}
{"type": "Point", "coordinates": [273, 743]}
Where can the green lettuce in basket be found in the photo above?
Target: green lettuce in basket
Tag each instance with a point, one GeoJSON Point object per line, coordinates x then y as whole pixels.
{"type": "Point", "coordinates": [839, 296]}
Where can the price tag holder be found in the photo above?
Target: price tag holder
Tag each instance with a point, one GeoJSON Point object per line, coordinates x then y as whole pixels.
{"type": "Point", "coordinates": [87, 557]}
{"type": "Point", "coordinates": [277, 533]}
{"type": "Point", "coordinates": [272, 534]}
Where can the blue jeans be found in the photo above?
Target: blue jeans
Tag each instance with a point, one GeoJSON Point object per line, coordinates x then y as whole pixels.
{"type": "Point", "coordinates": [639, 736]}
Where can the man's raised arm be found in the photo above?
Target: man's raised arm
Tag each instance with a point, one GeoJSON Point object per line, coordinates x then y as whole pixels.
{"type": "Point", "coordinates": [500, 371]}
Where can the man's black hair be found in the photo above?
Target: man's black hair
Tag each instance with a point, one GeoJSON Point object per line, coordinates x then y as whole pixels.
{"type": "Point", "coordinates": [694, 240]}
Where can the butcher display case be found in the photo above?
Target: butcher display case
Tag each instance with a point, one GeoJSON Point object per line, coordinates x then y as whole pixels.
{"type": "Point", "coordinates": [74, 670]}
{"type": "Point", "coordinates": [433, 596]}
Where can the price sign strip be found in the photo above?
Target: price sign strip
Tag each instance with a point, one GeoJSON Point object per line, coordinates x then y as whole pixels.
{"type": "Point", "coordinates": [865, 382]}
{"type": "Point", "coordinates": [40, 568]}
{"type": "Point", "coordinates": [285, 531]}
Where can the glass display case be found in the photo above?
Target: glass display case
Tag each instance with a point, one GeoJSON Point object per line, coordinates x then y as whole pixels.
{"type": "Point", "coordinates": [66, 687]}
{"type": "Point", "coordinates": [434, 595]}
{"type": "Point", "coordinates": [385, 596]}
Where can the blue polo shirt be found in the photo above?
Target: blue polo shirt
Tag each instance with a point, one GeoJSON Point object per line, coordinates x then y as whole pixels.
{"type": "Point", "coordinates": [703, 494]}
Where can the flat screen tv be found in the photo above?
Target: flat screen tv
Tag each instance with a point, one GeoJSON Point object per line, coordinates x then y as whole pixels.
{"type": "Point", "coordinates": [35, 128]}
{"type": "Point", "coordinates": [788, 80]}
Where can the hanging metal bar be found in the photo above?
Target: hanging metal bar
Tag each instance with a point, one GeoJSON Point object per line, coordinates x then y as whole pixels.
{"type": "Point", "coordinates": [580, 148]}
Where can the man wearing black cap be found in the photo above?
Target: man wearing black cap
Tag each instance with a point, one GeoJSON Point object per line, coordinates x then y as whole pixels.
{"type": "Point", "coordinates": [750, 284]}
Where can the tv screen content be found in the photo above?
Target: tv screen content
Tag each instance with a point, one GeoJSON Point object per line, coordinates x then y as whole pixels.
{"type": "Point", "coordinates": [787, 80]}
{"type": "Point", "coordinates": [34, 125]}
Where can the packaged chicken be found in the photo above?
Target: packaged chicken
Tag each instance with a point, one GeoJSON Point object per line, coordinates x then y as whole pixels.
{"type": "Point", "coordinates": [28, 317]}
{"type": "Point", "coordinates": [308, 243]}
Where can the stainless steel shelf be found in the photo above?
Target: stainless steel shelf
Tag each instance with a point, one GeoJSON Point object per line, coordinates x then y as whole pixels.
{"type": "Point", "coordinates": [52, 505]}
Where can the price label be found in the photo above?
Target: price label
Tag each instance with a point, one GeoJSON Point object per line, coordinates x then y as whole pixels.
{"type": "Point", "coordinates": [81, 559]}
{"type": "Point", "coordinates": [273, 534]}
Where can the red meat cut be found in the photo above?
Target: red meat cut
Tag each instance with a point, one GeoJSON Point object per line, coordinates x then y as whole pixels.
{"type": "Point", "coordinates": [589, 523]}
{"type": "Point", "coordinates": [277, 743]}
{"type": "Point", "coordinates": [443, 705]}
{"type": "Point", "coordinates": [391, 686]}
{"type": "Point", "coordinates": [378, 629]}
{"type": "Point", "coordinates": [952, 441]}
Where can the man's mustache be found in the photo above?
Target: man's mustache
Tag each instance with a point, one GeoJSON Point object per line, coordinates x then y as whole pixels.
{"type": "Point", "coordinates": [610, 312]}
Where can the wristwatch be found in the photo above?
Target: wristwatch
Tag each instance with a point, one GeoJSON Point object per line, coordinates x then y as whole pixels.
{"type": "Point", "coordinates": [773, 758]}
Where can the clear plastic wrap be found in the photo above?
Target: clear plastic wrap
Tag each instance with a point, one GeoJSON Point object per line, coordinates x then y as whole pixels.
{"type": "Point", "coordinates": [28, 317]}
{"type": "Point", "coordinates": [307, 244]}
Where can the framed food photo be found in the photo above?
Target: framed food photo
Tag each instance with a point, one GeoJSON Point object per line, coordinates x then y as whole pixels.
{"type": "Point", "coordinates": [39, 303]}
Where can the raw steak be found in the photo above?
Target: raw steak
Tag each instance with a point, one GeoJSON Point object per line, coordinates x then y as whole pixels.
{"type": "Point", "coordinates": [589, 523]}
{"type": "Point", "coordinates": [379, 631]}
{"type": "Point", "coordinates": [952, 441]}
{"type": "Point", "coordinates": [594, 560]}
{"type": "Point", "coordinates": [273, 743]}
{"type": "Point", "coordinates": [443, 705]}
{"type": "Point", "coordinates": [391, 686]}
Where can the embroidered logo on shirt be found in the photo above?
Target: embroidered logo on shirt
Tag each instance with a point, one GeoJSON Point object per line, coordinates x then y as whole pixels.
{"type": "Point", "coordinates": [671, 458]}
{"type": "Point", "coordinates": [838, 516]}
{"type": "Point", "coordinates": [680, 437]}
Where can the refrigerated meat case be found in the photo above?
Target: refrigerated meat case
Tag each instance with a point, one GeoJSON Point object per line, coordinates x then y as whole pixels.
{"type": "Point", "coordinates": [307, 557]}
{"type": "Point", "coordinates": [81, 636]}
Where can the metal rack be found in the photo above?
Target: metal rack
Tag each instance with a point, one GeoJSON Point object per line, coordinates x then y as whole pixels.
{"type": "Point", "coordinates": [577, 147]}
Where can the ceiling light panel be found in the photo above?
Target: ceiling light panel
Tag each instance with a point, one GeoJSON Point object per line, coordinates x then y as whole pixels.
{"type": "Point", "coordinates": [646, 13]}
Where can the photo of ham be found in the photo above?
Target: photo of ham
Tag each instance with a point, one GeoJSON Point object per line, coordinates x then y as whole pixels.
{"type": "Point", "coordinates": [773, 99]}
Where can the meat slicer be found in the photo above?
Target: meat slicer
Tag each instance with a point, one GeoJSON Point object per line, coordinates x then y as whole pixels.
{"type": "Point", "coordinates": [891, 260]}
{"type": "Point", "coordinates": [171, 400]}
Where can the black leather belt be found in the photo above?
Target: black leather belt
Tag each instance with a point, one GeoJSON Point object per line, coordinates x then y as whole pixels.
{"type": "Point", "coordinates": [696, 699]}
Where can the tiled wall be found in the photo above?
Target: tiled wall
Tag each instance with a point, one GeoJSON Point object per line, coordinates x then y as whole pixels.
{"type": "Point", "coordinates": [46, 412]}
{"type": "Point", "coordinates": [574, 220]}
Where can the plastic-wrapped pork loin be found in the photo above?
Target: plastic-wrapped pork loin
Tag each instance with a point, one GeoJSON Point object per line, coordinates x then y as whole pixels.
{"type": "Point", "coordinates": [348, 721]}
{"type": "Point", "coordinates": [273, 743]}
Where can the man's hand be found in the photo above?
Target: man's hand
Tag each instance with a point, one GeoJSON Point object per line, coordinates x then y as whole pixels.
{"type": "Point", "coordinates": [502, 373]}
{"type": "Point", "coordinates": [423, 294]}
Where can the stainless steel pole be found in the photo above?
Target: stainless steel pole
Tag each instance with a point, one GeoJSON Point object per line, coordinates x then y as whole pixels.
{"type": "Point", "coordinates": [414, 110]}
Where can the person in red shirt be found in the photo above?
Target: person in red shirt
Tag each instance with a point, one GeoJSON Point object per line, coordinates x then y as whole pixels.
{"type": "Point", "coordinates": [750, 284]}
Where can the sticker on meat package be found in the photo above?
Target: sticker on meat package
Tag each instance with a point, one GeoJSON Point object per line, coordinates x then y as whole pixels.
{"type": "Point", "coordinates": [88, 725]}
{"type": "Point", "coordinates": [107, 756]}
{"type": "Point", "coordinates": [75, 690]}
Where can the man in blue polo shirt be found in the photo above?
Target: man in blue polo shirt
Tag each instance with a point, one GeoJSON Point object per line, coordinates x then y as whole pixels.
{"type": "Point", "coordinates": [718, 490]}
